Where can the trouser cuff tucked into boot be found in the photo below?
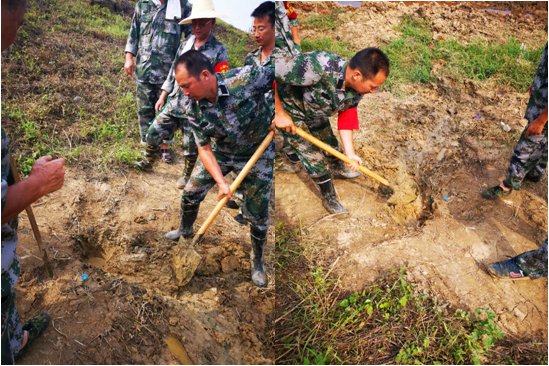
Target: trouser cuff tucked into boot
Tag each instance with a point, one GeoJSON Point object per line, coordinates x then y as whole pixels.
{"type": "Point", "coordinates": [188, 217]}
{"type": "Point", "coordinates": [329, 198]}
{"type": "Point", "coordinates": [259, 239]}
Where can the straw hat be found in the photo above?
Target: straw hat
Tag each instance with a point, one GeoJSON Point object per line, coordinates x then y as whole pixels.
{"type": "Point", "coordinates": [202, 9]}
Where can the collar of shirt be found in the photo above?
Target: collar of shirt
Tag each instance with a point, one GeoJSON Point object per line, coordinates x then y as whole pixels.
{"type": "Point", "coordinates": [222, 91]}
{"type": "Point", "coordinates": [209, 42]}
{"type": "Point", "coordinates": [341, 80]}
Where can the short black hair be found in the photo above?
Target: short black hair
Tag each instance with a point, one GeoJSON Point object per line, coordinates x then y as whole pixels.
{"type": "Point", "coordinates": [195, 62]}
{"type": "Point", "coordinates": [265, 9]}
{"type": "Point", "coordinates": [370, 61]}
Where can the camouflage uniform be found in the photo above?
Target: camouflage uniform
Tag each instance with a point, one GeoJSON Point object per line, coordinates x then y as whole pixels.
{"type": "Point", "coordinates": [154, 41]}
{"type": "Point", "coordinates": [12, 329]}
{"type": "Point", "coordinates": [235, 126]}
{"type": "Point", "coordinates": [530, 154]}
{"type": "Point", "coordinates": [171, 116]}
{"type": "Point", "coordinates": [311, 89]}
{"type": "Point", "coordinates": [534, 262]}
{"type": "Point", "coordinates": [283, 33]}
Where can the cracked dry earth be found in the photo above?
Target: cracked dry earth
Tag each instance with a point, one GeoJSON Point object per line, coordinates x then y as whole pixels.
{"type": "Point", "coordinates": [429, 145]}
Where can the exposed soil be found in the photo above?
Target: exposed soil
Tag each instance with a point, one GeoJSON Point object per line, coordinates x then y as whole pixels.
{"type": "Point", "coordinates": [438, 156]}
{"type": "Point", "coordinates": [111, 229]}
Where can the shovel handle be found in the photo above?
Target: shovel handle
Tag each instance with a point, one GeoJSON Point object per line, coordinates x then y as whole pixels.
{"type": "Point", "coordinates": [236, 183]}
{"type": "Point", "coordinates": [32, 220]}
{"type": "Point", "coordinates": [322, 145]}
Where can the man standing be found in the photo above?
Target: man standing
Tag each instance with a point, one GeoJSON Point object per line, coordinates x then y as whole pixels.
{"type": "Point", "coordinates": [529, 159]}
{"type": "Point", "coordinates": [310, 87]}
{"type": "Point", "coordinates": [153, 41]}
{"type": "Point", "coordinates": [47, 175]}
{"type": "Point", "coordinates": [229, 118]}
{"type": "Point", "coordinates": [161, 131]}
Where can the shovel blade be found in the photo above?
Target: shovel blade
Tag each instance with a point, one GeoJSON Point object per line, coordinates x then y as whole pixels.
{"type": "Point", "coordinates": [184, 264]}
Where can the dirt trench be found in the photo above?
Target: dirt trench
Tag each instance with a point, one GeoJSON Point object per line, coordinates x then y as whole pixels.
{"type": "Point", "coordinates": [111, 230]}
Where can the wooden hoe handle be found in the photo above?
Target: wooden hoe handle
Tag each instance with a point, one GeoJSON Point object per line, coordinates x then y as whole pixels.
{"type": "Point", "coordinates": [313, 140]}
{"type": "Point", "coordinates": [236, 183]}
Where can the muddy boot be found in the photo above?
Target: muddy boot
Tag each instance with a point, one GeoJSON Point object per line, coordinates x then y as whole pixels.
{"type": "Point", "coordinates": [188, 216]}
{"type": "Point", "coordinates": [329, 198]}
{"type": "Point", "coordinates": [188, 166]}
{"type": "Point", "coordinates": [340, 170]}
{"type": "Point", "coordinates": [494, 193]}
{"type": "Point", "coordinates": [259, 239]}
{"type": "Point", "coordinates": [35, 327]}
{"type": "Point", "coordinates": [149, 156]}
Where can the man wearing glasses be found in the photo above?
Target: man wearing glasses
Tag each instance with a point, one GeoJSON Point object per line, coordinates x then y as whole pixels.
{"type": "Point", "coordinates": [160, 133]}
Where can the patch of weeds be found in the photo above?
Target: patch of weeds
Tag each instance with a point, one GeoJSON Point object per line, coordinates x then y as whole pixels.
{"type": "Point", "coordinates": [410, 55]}
{"type": "Point", "coordinates": [509, 63]}
{"type": "Point", "coordinates": [125, 154]}
{"type": "Point", "coordinates": [323, 22]}
{"type": "Point", "coordinates": [327, 44]}
{"type": "Point", "coordinates": [389, 321]}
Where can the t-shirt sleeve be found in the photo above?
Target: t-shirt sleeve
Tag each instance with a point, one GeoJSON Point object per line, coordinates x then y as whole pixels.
{"type": "Point", "coordinates": [348, 119]}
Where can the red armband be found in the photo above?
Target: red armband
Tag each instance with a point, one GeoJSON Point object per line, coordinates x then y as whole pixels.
{"type": "Point", "coordinates": [348, 119]}
{"type": "Point", "coordinates": [290, 12]}
{"type": "Point", "coordinates": [223, 66]}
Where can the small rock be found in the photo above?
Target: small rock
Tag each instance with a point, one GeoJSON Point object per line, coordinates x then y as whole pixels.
{"type": "Point", "coordinates": [441, 154]}
{"type": "Point", "coordinates": [505, 126]}
{"type": "Point", "coordinates": [229, 264]}
{"type": "Point", "coordinates": [77, 99]}
{"type": "Point", "coordinates": [173, 321]}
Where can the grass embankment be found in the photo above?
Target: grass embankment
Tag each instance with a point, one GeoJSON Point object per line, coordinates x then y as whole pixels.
{"type": "Point", "coordinates": [413, 53]}
{"type": "Point", "coordinates": [390, 321]}
{"type": "Point", "coordinates": [64, 90]}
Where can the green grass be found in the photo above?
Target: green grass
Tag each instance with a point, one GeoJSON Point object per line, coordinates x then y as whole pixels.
{"type": "Point", "coordinates": [341, 48]}
{"type": "Point", "coordinates": [413, 53]}
{"type": "Point", "coordinates": [388, 321]}
{"type": "Point", "coordinates": [322, 22]}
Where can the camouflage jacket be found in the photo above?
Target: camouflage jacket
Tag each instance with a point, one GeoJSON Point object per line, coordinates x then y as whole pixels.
{"type": "Point", "coordinates": [538, 99]}
{"type": "Point", "coordinates": [9, 229]}
{"type": "Point", "coordinates": [240, 118]}
{"type": "Point", "coordinates": [154, 40]}
{"type": "Point", "coordinates": [283, 34]}
{"type": "Point", "coordinates": [214, 51]}
{"type": "Point", "coordinates": [312, 84]}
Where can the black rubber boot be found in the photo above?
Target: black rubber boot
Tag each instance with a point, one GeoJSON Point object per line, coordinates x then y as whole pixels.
{"type": "Point", "coordinates": [329, 198]}
{"type": "Point", "coordinates": [188, 216]}
{"type": "Point", "coordinates": [150, 154]}
{"type": "Point", "coordinates": [259, 239]}
{"type": "Point", "coordinates": [188, 165]}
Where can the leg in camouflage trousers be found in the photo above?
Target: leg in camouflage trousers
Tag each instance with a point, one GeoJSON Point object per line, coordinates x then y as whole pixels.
{"type": "Point", "coordinates": [534, 262]}
{"type": "Point", "coordinates": [529, 160]}
{"type": "Point", "coordinates": [147, 95]}
{"type": "Point", "coordinates": [12, 329]}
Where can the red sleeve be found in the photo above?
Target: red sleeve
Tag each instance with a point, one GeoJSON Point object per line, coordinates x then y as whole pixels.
{"type": "Point", "coordinates": [348, 119]}
{"type": "Point", "coordinates": [223, 66]}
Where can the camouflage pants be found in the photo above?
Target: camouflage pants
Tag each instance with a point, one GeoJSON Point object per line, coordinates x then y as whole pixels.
{"type": "Point", "coordinates": [255, 188]}
{"type": "Point", "coordinates": [147, 96]}
{"type": "Point", "coordinates": [312, 158]}
{"type": "Point", "coordinates": [529, 157]}
{"type": "Point", "coordinates": [534, 262]}
{"type": "Point", "coordinates": [12, 329]}
{"type": "Point", "coordinates": [167, 121]}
